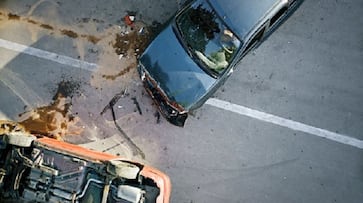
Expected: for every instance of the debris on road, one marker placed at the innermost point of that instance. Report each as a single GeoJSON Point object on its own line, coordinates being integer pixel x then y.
{"type": "Point", "coordinates": [129, 20]}
{"type": "Point", "coordinates": [132, 42]}
{"type": "Point", "coordinates": [157, 115]}
{"type": "Point", "coordinates": [137, 105]}
{"type": "Point", "coordinates": [112, 102]}
{"type": "Point", "coordinates": [134, 148]}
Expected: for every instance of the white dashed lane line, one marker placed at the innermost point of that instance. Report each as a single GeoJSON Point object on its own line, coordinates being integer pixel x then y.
{"type": "Point", "coordinates": [262, 116]}
{"type": "Point", "coordinates": [65, 60]}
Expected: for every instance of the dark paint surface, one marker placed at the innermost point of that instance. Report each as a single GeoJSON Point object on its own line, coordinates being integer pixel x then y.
{"type": "Point", "coordinates": [242, 15]}
{"type": "Point", "coordinates": [175, 71]}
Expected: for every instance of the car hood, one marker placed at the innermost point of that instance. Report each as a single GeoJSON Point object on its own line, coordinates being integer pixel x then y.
{"type": "Point", "coordinates": [176, 73]}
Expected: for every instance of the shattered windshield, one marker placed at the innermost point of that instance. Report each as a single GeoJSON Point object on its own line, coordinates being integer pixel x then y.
{"type": "Point", "coordinates": [207, 38]}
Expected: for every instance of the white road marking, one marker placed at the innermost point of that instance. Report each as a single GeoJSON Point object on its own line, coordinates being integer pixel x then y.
{"type": "Point", "coordinates": [20, 88]}
{"type": "Point", "coordinates": [285, 123]}
{"type": "Point", "coordinates": [65, 60]}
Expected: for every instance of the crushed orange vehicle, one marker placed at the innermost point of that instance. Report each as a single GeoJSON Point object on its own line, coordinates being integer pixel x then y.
{"type": "Point", "coordinates": [47, 170]}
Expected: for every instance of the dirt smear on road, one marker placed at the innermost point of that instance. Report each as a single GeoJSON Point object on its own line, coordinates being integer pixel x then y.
{"type": "Point", "coordinates": [55, 120]}
{"type": "Point", "coordinates": [119, 46]}
{"type": "Point", "coordinates": [121, 73]}
{"type": "Point", "coordinates": [115, 48]}
{"type": "Point", "coordinates": [65, 31]}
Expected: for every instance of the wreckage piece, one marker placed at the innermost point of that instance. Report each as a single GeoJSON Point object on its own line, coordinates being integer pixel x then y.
{"type": "Point", "coordinates": [50, 170]}
{"type": "Point", "coordinates": [134, 148]}
{"type": "Point", "coordinates": [137, 105]}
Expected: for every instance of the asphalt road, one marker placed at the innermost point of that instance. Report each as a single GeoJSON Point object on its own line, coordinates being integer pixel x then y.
{"type": "Point", "coordinates": [309, 71]}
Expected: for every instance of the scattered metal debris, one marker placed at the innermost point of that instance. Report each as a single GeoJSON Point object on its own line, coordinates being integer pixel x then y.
{"type": "Point", "coordinates": [137, 105]}
{"type": "Point", "coordinates": [112, 102]}
{"type": "Point", "coordinates": [112, 147]}
{"type": "Point", "coordinates": [135, 149]}
{"type": "Point", "coordinates": [157, 115]}
{"type": "Point", "coordinates": [129, 20]}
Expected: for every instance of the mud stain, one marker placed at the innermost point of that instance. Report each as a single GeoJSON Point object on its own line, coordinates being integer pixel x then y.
{"type": "Point", "coordinates": [123, 43]}
{"type": "Point", "coordinates": [129, 45]}
{"type": "Point", "coordinates": [135, 41]}
{"type": "Point", "coordinates": [121, 73]}
{"type": "Point", "coordinates": [45, 26]}
{"type": "Point", "coordinates": [128, 42]}
{"type": "Point", "coordinates": [91, 38]}
{"type": "Point", "coordinates": [13, 17]}
{"type": "Point", "coordinates": [56, 119]}
{"type": "Point", "coordinates": [63, 31]}
{"type": "Point", "coordinates": [8, 127]}
{"type": "Point", "coordinates": [69, 33]}
{"type": "Point", "coordinates": [67, 88]}
{"type": "Point", "coordinates": [87, 20]}
{"type": "Point", "coordinates": [32, 22]}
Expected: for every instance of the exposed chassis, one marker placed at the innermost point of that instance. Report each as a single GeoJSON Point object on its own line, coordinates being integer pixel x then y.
{"type": "Point", "coordinates": [47, 170]}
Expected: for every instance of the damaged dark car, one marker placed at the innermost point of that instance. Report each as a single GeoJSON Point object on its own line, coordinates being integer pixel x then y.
{"type": "Point", "coordinates": [41, 169]}
{"type": "Point", "coordinates": [199, 48]}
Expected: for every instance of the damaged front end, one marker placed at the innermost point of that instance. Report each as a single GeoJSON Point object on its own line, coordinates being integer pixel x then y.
{"type": "Point", "coordinates": [172, 111]}
{"type": "Point", "coordinates": [48, 170]}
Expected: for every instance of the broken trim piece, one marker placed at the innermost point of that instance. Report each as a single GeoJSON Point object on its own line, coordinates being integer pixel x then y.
{"type": "Point", "coordinates": [135, 149]}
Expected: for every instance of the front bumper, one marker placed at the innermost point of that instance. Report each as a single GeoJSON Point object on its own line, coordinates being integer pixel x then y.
{"type": "Point", "coordinates": [166, 108]}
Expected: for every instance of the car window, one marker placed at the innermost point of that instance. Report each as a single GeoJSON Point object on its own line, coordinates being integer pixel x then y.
{"type": "Point", "coordinates": [207, 37]}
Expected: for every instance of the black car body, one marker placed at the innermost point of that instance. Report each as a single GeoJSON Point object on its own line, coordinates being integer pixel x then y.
{"type": "Point", "coordinates": [198, 49]}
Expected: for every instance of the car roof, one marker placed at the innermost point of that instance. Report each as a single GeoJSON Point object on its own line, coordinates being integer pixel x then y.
{"type": "Point", "coordinates": [242, 15]}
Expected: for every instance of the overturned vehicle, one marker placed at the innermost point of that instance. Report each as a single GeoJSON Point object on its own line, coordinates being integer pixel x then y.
{"type": "Point", "coordinates": [47, 170]}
